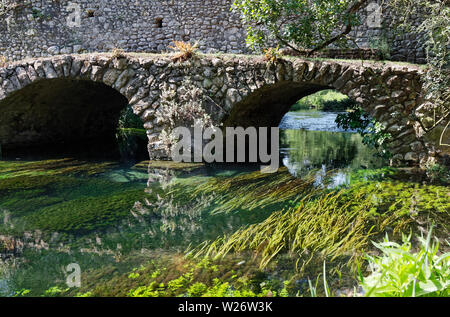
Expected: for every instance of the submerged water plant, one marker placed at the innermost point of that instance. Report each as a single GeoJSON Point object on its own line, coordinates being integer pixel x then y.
{"type": "Point", "coordinates": [254, 190]}
{"type": "Point", "coordinates": [336, 224]}
{"type": "Point", "coordinates": [322, 225]}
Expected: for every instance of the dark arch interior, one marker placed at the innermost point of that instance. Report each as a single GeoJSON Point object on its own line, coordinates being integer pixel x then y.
{"type": "Point", "coordinates": [266, 106]}
{"type": "Point", "coordinates": [60, 113]}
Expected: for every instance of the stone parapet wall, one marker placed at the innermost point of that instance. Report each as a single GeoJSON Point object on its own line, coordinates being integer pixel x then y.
{"type": "Point", "coordinates": [35, 28]}
{"type": "Point", "coordinates": [402, 46]}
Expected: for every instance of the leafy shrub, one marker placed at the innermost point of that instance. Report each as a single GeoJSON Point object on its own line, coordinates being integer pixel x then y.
{"type": "Point", "coordinates": [400, 273]}
{"type": "Point", "coordinates": [438, 173]}
{"type": "Point", "coordinates": [356, 119]}
{"type": "Point", "coordinates": [338, 105]}
{"type": "Point", "coordinates": [325, 100]}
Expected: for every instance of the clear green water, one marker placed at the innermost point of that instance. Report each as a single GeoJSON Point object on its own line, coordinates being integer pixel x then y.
{"type": "Point", "coordinates": [101, 214]}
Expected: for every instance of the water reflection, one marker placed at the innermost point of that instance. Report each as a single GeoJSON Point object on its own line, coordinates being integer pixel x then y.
{"type": "Point", "coordinates": [312, 120]}
{"type": "Point", "coordinates": [304, 151]}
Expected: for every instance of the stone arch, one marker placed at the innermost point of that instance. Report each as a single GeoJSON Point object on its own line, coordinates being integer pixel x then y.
{"type": "Point", "coordinates": [388, 94]}
{"type": "Point", "coordinates": [65, 99]}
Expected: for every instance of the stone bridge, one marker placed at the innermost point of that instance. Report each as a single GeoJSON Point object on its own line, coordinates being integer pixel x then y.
{"type": "Point", "coordinates": [69, 97]}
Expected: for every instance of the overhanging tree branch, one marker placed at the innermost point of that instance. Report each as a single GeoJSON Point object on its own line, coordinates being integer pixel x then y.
{"type": "Point", "coordinates": [348, 27]}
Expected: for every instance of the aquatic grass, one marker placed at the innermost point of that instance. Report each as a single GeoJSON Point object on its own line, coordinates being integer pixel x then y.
{"type": "Point", "coordinates": [254, 190]}
{"type": "Point", "coordinates": [335, 224]}
{"type": "Point", "coordinates": [316, 225]}
{"type": "Point", "coordinates": [310, 224]}
{"type": "Point", "coordinates": [10, 169]}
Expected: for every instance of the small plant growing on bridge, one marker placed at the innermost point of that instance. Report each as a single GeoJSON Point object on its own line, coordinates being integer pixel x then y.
{"type": "Point", "coordinates": [272, 55]}
{"type": "Point", "coordinates": [183, 51]}
{"type": "Point", "coordinates": [3, 61]}
{"type": "Point", "coordinates": [117, 53]}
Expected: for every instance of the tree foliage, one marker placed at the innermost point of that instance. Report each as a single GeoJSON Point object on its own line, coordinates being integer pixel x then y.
{"type": "Point", "coordinates": [299, 24]}
{"type": "Point", "coordinates": [373, 132]}
{"type": "Point", "coordinates": [436, 30]}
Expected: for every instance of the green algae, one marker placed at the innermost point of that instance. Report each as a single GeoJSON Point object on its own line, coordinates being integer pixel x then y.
{"type": "Point", "coordinates": [173, 165]}
{"type": "Point", "coordinates": [84, 214]}
{"type": "Point", "coordinates": [65, 196]}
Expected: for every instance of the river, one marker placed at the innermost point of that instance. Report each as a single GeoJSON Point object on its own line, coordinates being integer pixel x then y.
{"type": "Point", "coordinates": [108, 217]}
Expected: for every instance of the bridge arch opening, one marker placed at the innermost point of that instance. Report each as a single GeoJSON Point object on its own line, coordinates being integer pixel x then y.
{"type": "Point", "coordinates": [306, 114]}
{"type": "Point", "coordinates": [311, 138]}
{"type": "Point", "coordinates": [61, 115]}
{"type": "Point", "coordinates": [266, 106]}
